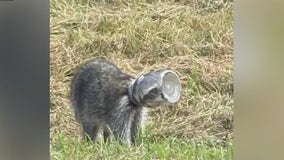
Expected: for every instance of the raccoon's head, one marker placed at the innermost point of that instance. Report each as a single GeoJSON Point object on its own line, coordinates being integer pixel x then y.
{"type": "Point", "coordinates": [155, 88]}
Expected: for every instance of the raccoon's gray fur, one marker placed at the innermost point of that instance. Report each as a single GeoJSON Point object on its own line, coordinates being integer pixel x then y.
{"type": "Point", "coordinates": [100, 99]}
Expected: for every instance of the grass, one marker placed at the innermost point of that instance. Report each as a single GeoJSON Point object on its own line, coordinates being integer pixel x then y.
{"type": "Point", "coordinates": [192, 37]}
{"type": "Point", "coordinates": [68, 147]}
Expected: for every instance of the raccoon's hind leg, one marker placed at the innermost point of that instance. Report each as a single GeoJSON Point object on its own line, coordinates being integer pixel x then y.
{"type": "Point", "coordinates": [90, 130]}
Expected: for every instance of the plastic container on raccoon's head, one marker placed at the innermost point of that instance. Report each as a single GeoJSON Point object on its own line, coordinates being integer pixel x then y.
{"type": "Point", "coordinates": [160, 87]}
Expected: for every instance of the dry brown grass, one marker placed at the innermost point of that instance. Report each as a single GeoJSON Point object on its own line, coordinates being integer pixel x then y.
{"type": "Point", "coordinates": [193, 38]}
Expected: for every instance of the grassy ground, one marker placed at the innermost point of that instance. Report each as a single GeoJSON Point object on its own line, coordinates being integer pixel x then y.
{"type": "Point", "coordinates": [191, 37]}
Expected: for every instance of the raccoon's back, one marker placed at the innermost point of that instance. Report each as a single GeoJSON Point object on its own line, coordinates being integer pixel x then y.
{"type": "Point", "coordinates": [98, 84]}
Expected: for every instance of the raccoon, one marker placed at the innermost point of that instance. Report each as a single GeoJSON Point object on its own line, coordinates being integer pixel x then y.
{"type": "Point", "coordinates": [104, 97]}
